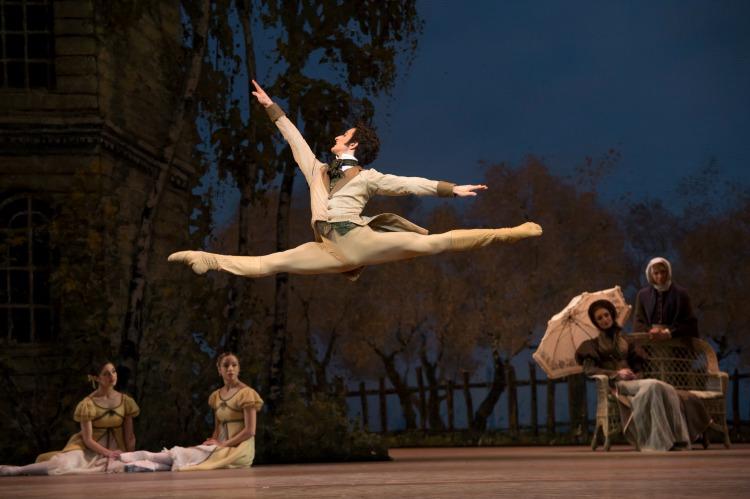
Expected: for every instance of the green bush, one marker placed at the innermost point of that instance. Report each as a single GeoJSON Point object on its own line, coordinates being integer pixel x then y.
{"type": "Point", "coordinates": [317, 431]}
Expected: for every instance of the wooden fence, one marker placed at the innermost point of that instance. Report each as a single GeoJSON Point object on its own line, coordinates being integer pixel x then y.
{"type": "Point", "coordinates": [577, 398]}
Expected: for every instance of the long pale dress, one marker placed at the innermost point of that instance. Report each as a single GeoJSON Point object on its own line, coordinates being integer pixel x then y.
{"type": "Point", "coordinates": [107, 430]}
{"type": "Point", "coordinates": [229, 415]}
{"type": "Point", "coordinates": [653, 413]}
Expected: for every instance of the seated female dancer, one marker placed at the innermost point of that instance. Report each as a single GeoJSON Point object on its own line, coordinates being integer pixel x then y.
{"type": "Point", "coordinates": [232, 444]}
{"type": "Point", "coordinates": [106, 418]}
{"type": "Point", "coordinates": [659, 418]}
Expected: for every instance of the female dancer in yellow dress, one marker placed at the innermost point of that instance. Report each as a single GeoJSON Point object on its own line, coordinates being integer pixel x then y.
{"type": "Point", "coordinates": [106, 418]}
{"type": "Point", "coordinates": [232, 444]}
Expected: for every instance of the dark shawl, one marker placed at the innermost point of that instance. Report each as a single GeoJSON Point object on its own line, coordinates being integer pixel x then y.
{"type": "Point", "coordinates": [607, 354]}
{"type": "Point", "coordinates": [677, 313]}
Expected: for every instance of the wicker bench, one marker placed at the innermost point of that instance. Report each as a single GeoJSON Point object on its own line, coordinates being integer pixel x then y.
{"type": "Point", "coordinates": [687, 364]}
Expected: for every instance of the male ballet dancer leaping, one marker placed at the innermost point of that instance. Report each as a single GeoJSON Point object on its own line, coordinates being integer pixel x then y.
{"type": "Point", "coordinates": [346, 241]}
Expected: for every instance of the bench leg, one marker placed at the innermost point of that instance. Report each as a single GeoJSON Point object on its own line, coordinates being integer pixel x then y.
{"type": "Point", "coordinates": [595, 438]}
{"type": "Point", "coordinates": [724, 430]}
{"type": "Point", "coordinates": [607, 442]}
{"type": "Point", "coordinates": [727, 442]}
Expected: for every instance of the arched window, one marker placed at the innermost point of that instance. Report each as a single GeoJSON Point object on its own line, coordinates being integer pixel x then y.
{"type": "Point", "coordinates": [26, 51]}
{"type": "Point", "coordinates": [26, 313]}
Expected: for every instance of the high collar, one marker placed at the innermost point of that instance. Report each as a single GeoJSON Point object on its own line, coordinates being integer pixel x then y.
{"type": "Point", "coordinates": [346, 156]}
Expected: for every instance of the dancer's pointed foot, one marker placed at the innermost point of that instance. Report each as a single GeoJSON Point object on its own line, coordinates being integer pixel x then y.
{"type": "Point", "coordinates": [200, 261]}
{"type": "Point", "coordinates": [469, 239]}
{"type": "Point", "coordinates": [513, 234]}
{"type": "Point", "coordinates": [529, 229]}
{"type": "Point", "coordinates": [8, 470]}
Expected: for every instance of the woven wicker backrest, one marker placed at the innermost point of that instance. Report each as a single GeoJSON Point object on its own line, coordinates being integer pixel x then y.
{"type": "Point", "coordinates": [683, 364]}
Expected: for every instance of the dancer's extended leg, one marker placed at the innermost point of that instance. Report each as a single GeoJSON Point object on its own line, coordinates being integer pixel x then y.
{"type": "Point", "coordinates": [29, 469]}
{"type": "Point", "coordinates": [162, 457]}
{"type": "Point", "coordinates": [361, 246]}
{"type": "Point", "coordinates": [368, 247]}
{"type": "Point", "coordinates": [308, 258]}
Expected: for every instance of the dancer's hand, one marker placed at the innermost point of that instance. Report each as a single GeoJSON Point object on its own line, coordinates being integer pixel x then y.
{"type": "Point", "coordinates": [467, 190]}
{"type": "Point", "coordinates": [261, 95]}
{"type": "Point", "coordinates": [113, 454]}
{"type": "Point", "coordinates": [212, 441]}
{"type": "Point", "coordinates": [625, 374]}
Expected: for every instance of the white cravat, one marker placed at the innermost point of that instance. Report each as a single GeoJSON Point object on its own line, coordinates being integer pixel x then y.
{"type": "Point", "coordinates": [346, 156]}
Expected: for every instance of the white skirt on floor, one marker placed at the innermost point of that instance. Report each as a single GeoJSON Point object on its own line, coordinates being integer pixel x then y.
{"type": "Point", "coordinates": [657, 422]}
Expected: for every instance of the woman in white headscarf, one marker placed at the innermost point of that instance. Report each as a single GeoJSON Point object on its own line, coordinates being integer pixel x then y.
{"type": "Point", "coordinates": [663, 308]}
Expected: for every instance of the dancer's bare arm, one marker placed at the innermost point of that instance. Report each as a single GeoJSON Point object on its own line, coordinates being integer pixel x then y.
{"type": "Point", "coordinates": [303, 155]}
{"type": "Point", "coordinates": [129, 434]}
{"type": "Point", "coordinates": [213, 439]}
{"type": "Point", "coordinates": [249, 414]}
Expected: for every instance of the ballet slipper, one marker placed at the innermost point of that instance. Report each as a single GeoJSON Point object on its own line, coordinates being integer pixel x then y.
{"type": "Point", "coordinates": [200, 261]}
{"type": "Point", "coordinates": [468, 239]}
{"type": "Point", "coordinates": [6, 470]}
{"type": "Point", "coordinates": [528, 229]}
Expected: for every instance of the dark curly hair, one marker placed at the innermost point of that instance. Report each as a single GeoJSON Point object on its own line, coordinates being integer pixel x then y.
{"type": "Point", "coordinates": [368, 143]}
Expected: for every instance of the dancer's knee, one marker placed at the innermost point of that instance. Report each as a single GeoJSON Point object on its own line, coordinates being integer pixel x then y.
{"type": "Point", "coordinates": [431, 245]}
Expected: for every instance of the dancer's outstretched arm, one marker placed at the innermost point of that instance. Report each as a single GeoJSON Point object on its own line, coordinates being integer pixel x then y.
{"type": "Point", "coordinates": [303, 155]}
{"type": "Point", "coordinates": [394, 185]}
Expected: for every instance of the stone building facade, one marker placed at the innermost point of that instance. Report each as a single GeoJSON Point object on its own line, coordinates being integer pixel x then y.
{"type": "Point", "coordinates": [88, 91]}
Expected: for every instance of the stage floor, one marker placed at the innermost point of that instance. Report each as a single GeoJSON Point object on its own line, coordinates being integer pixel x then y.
{"type": "Point", "coordinates": [518, 472]}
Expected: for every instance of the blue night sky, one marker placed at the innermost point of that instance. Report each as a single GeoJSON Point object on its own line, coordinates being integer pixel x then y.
{"type": "Point", "coordinates": [665, 83]}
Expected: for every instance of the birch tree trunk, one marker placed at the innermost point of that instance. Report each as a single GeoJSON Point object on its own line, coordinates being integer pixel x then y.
{"type": "Point", "coordinates": [132, 330]}
{"type": "Point", "coordinates": [239, 287]}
